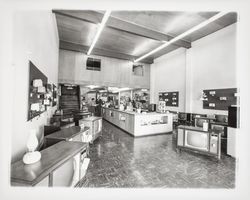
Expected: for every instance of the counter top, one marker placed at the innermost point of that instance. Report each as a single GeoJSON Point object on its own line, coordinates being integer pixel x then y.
{"type": "Point", "coordinates": [67, 133]}
{"type": "Point", "coordinates": [135, 113]}
{"type": "Point", "coordinates": [92, 118]}
{"type": "Point", "coordinates": [82, 113]}
{"type": "Point", "coordinates": [194, 128]}
{"type": "Point", "coordinates": [219, 123]}
{"type": "Point", "coordinates": [204, 117]}
{"type": "Point", "coordinates": [51, 159]}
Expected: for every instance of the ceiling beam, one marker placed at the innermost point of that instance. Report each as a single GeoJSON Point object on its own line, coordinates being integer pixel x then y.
{"type": "Point", "coordinates": [100, 52]}
{"type": "Point", "coordinates": [125, 26]}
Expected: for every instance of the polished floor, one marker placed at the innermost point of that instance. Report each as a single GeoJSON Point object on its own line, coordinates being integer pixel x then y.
{"type": "Point", "coordinates": [120, 160]}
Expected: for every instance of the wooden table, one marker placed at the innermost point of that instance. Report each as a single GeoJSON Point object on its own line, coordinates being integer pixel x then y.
{"type": "Point", "coordinates": [73, 133]}
{"type": "Point", "coordinates": [79, 115]}
{"type": "Point", "coordinates": [51, 158]}
{"type": "Point", "coordinates": [67, 133]}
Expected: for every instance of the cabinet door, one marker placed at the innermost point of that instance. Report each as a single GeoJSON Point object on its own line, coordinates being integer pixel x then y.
{"type": "Point", "coordinates": [44, 182]}
{"type": "Point", "coordinates": [64, 175]}
{"type": "Point", "coordinates": [231, 141]}
{"type": "Point", "coordinates": [129, 124]}
{"type": "Point", "coordinates": [77, 138]}
{"type": "Point", "coordinates": [122, 120]}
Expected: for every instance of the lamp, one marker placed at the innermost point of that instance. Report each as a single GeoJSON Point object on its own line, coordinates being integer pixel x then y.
{"type": "Point", "coordinates": [32, 156]}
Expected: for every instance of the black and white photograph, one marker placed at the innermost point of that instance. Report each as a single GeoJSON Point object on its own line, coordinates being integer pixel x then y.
{"type": "Point", "coordinates": [116, 100]}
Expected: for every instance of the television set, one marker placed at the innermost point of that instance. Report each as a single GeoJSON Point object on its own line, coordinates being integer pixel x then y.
{"type": "Point", "coordinates": [197, 140]}
{"type": "Point", "coordinates": [208, 142]}
{"type": "Point", "coordinates": [199, 122]}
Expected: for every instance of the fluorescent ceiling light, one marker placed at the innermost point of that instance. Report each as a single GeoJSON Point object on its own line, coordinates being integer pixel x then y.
{"type": "Point", "coordinates": [124, 89]}
{"type": "Point", "coordinates": [92, 86]}
{"type": "Point", "coordinates": [116, 89]}
{"type": "Point", "coordinates": [195, 28]}
{"type": "Point", "coordinates": [113, 89]}
{"type": "Point", "coordinates": [101, 26]}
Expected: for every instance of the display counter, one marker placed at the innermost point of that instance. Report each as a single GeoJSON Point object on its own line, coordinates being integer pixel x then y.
{"type": "Point", "coordinates": [139, 124]}
{"type": "Point", "coordinates": [60, 165]}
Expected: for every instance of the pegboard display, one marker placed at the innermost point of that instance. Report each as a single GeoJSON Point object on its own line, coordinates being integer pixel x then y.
{"type": "Point", "coordinates": [220, 99]}
{"type": "Point", "coordinates": [170, 98]}
{"type": "Point", "coordinates": [36, 98]}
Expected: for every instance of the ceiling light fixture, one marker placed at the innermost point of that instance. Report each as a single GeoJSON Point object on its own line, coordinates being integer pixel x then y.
{"type": "Point", "coordinates": [92, 86]}
{"type": "Point", "coordinates": [195, 28]}
{"type": "Point", "coordinates": [101, 26]}
{"type": "Point", "coordinates": [124, 89]}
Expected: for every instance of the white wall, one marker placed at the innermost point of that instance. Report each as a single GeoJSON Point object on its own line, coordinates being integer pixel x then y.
{"type": "Point", "coordinates": [168, 74]}
{"type": "Point", "coordinates": [213, 65]}
{"type": "Point", "coordinates": [35, 38]}
{"type": "Point", "coordinates": [114, 72]}
{"type": "Point", "coordinates": [209, 64]}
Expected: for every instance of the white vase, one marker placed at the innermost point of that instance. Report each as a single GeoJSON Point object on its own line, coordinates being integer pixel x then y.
{"type": "Point", "coordinates": [32, 156]}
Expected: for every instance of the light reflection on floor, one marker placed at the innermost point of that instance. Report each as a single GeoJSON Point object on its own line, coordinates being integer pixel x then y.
{"type": "Point", "coordinates": [120, 160]}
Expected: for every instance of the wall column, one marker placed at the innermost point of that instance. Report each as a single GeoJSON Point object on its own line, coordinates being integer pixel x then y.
{"type": "Point", "coordinates": [188, 81]}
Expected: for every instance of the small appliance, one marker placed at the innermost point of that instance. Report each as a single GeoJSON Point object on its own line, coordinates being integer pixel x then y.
{"type": "Point", "coordinates": [152, 107]}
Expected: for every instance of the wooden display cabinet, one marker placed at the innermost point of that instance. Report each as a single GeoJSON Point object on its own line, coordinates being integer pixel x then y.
{"type": "Point", "coordinates": [94, 124]}
{"type": "Point", "coordinates": [60, 165]}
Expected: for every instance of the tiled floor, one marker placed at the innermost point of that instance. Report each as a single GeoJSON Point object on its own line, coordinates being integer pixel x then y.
{"type": "Point", "coordinates": [120, 160]}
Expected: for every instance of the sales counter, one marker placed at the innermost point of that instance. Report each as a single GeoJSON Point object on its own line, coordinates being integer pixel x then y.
{"type": "Point", "coordinates": [139, 124]}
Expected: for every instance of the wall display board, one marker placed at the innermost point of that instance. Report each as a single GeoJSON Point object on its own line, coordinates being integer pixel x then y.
{"type": "Point", "coordinates": [170, 98]}
{"type": "Point", "coordinates": [37, 90]}
{"type": "Point", "coordinates": [220, 99]}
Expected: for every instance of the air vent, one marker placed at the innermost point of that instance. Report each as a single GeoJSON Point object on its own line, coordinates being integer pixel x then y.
{"type": "Point", "coordinates": [138, 70]}
{"type": "Point", "coordinates": [93, 64]}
